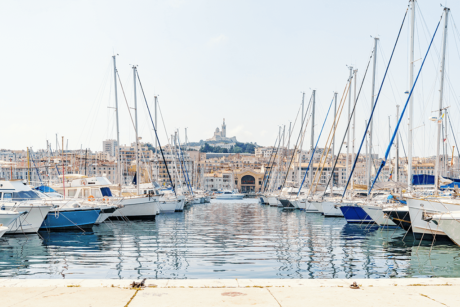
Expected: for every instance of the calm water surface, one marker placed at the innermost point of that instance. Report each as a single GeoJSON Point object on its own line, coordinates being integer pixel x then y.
{"type": "Point", "coordinates": [227, 239]}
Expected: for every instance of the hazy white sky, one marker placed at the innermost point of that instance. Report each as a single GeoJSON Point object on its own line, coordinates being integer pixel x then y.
{"type": "Point", "coordinates": [247, 61]}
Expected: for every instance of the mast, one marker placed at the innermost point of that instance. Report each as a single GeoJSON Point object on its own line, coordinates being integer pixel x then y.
{"type": "Point", "coordinates": [369, 157]}
{"type": "Point", "coordinates": [353, 128]}
{"type": "Point", "coordinates": [312, 134]}
{"type": "Point", "coordinates": [397, 148]}
{"type": "Point", "coordinates": [347, 168]}
{"type": "Point", "coordinates": [333, 141]}
{"type": "Point", "coordinates": [411, 99]}
{"type": "Point", "coordinates": [28, 166]}
{"type": "Point", "coordinates": [136, 126]}
{"type": "Point", "coordinates": [157, 159]}
{"type": "Point", "coordinates": [117, 148]}
{"type": "Point", "coordinates": [63, 170]}
{"type": "Point", "coordinates": [389, 140]}
{"type": "Point", "coordinates": [299, 172]}
{"type": "Point", "coordinates": [441, 92]}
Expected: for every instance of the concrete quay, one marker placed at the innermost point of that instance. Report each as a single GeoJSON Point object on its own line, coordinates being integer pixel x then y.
{"type": "Point", "coordinates": [230, 292]}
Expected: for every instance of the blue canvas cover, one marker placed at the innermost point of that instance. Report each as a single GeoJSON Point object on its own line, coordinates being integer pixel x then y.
{"type": "Point", "coordinates": [45, 189]}
{"type": "Point", "coordinates": [423, 179]}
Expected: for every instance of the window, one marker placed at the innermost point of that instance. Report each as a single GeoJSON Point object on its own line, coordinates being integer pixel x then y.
{"type": "Point", "coordinates": [71, 192]}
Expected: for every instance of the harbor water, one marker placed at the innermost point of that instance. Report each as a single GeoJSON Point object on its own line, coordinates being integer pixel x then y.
{"type": "Point", "coordinates": [227, 239]}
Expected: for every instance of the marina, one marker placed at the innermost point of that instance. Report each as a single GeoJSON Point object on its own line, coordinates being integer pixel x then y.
{"type": "Point", "coordinates": [227, 239]}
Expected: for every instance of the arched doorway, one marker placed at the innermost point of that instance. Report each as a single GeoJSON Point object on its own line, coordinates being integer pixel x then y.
{"type": "Point", "coordinates": [248, 184]}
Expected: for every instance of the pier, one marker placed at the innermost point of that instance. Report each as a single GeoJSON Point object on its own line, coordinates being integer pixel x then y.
{"type": "Point", "coordinates": [231, 292]}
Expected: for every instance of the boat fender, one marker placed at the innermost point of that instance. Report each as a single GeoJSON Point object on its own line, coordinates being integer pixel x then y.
{"type": "Point", "coordinates": [83, 182]}
{"type": "Point", "coordinates": [91, 198]}
{"type": "Point", "coordinates": [106, 199]}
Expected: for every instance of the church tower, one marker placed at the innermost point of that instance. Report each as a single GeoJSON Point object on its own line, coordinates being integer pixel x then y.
{"type": "Point", "coordinates": [224, 129]}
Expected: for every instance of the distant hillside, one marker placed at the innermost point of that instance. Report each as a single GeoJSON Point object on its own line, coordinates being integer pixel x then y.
{"type": "Point", "coordinates": [238, 148]}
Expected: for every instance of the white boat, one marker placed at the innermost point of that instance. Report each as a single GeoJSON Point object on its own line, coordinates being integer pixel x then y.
{"type": "Point", "coordinates": [375, 212]}
{"type": "Point", "coordinates": [331, 208]}
{"type": "Point", "coordinates": [98, 189]}
{"type": "Point", "coordinates": [17, 196]}
{"type": "Point", "coordinates": [229, 195]}
{"type": "Point", "coordinates": [420, 211]}
{"type": "Point", "coordinates": [7, 216]}
{"type": "Point", "coordinates": [318, 205]}
{"type": "Point", "coordinates": [3, 230]}
{"type": "Point", "coordinates": [449, 223]}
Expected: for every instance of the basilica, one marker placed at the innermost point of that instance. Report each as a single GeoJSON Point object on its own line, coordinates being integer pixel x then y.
{"type": "Point", "coordinates": [221, 135]}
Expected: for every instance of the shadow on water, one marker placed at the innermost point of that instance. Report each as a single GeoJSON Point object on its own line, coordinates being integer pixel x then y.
{"type": "Point", "coordinates": [227, 240]}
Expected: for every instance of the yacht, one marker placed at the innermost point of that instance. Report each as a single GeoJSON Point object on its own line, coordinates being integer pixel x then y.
{"type": "Point", "coordinates": [229, 195]}
{"type": "Point", "coordinates": [19, 197]}
{"type": "Point", "coordinates": [98, 189]}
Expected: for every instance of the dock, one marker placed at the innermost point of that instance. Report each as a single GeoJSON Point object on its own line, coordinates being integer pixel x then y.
{"type": "Point", "coordinates": [230, 292]}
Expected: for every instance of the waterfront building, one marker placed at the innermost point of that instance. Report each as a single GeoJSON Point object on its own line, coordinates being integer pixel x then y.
{"type": "Point", "coordinates": [110, 147]}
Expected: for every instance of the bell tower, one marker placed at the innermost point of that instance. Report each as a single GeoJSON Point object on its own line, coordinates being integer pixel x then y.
{"type": "Point", "coordinates": [224, 129]}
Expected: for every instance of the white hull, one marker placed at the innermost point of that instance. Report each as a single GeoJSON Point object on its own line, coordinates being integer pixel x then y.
{"type": "Point", "coordinates": [331, 209]}
{"type": "Point", "coordinates": [418, 209]}
{"type": "Point", "coordinates": [3, 230]}
{"type": "Point", "coordinates": [310, 206]}
{"type": "Point", "coordinates": [273, 201]}
{"type": "Point", "coordinates": [265, 200]}
{"type": "Point", "coordinates": [451, 227]}
{"type": "Point", "coordinates": [102, 217]}
{"type": "Point", "coordinates": [7, 217]}
{"type": "Point", "coordinates": [137, 207]}
{"type": "Point", "coordinates": [230, 196]}
{"type": "Point", "coordinates": [180, 205]}
{"type": "Point", "coordinates": [167, 206]}
{"type": "Point", "coordinates": [317, 205]}
{"type": "Point", "coordinates": [295, 203]}
{"type": "Point", "coordinates": [377, 215]}
{"type": "Point", "coordinates": [31, 221]}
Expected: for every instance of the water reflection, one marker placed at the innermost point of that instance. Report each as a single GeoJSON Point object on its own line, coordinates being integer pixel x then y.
{"type": "Point", "coordinates": [227, 240]}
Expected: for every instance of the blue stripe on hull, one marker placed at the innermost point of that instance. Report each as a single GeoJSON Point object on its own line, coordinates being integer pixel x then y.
{"type": "Point", "coordinates": [73, 219]}
{"type": "Point", "coordinates": [354, 214]}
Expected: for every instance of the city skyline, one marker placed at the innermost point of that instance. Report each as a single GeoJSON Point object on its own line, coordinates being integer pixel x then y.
{"type": "Point", "coordinates": [246, 62]}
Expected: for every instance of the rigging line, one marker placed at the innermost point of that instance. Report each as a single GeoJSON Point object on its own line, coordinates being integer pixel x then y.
{"type": "Point", "coordinates": [127, 105]}
{"type": "Point", "coordinates": [349, 122]}
{"type": "Point", "coordinates": [156, 134]}
{"type": "Point", "coordinates": [170, 144]}
{"type": "Point", "coordinates": [375, 104]}
{"type": "Point", "coordinates": [279, 143]}
{"type": "Point", "coordinates": [300, 134]}
{"type": "Point", "coordinates": [297, 142]}
{"type": "Point", "coordinates": [329, 138]}
{"type": "Point", "coordinates": [453, 134]}
{"type": "Point", "coordinates": [183, 161]}
{"type": "Point", "coordinates": [404, 110]}
{"type": "Point", "coordinates": [269, 161]}
{"type": "Point", "coordinates": [271, 167]}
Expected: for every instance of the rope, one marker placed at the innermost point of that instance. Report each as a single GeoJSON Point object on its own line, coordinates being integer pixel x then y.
{"type": "Point", "coordinates": [297, 142]}
{"type": "Point", "coordinates": [154, 128]}
{"type": "Point", "coordinates": [373, 109]}
{"type": "Point", "coordinates": [405, 106]}
{"type": "Point", "coordinates": [349, 122]}
{"type": "Point", "coordinates": [329, 138]}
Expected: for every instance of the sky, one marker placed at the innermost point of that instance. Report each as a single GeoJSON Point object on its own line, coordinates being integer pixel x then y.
{"type": "Point", "coordinates": [245, 61]}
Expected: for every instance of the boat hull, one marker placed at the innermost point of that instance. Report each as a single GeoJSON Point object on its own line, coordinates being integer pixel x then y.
{"type": "Point", "coordinates": [70, 220]}
{"type": "Point", "coordinates": [137, 208]}
{"type": "Point", "coordinates": [451, 227]}
{"type": "Point", "coordinates": [105, 214]}
{"type": "Point", "coordinates": [401, 218]}
{"type": "Point", "coordinates": [427, 229]}
{"type": "Point", "coordinates": [316, 204]}
{"type": "Point", "coordinates": [273, 201]}
{"type": "Point", "coordinates": [377, 215]}
{"type": "Point", "coordinates": [331, 209]}
{"type": "Point", "coordinates": [3, 230]}
{"type": "Point", "coordinates": [29, 222]}
{"type": "Point", "coordinates": [355, 215]}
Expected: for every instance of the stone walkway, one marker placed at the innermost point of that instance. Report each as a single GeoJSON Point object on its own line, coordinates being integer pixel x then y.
{"type": "Point", "coordinates": [222, 292]}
